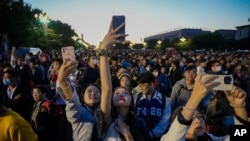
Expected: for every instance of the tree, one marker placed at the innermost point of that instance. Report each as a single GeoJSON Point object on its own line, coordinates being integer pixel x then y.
{"type": "Point", "coordinates": [164, 44]}
{"type": "Point", "coordinates": [138, 46]}
{"type": "Point", "coordinates": [151, 43]}
{"type": "Point", "coordinates": [208, 41]}
{"type": "Point", "coordinates": [174, 42]}
{"type": "Point", "coordinates": [18, 21]}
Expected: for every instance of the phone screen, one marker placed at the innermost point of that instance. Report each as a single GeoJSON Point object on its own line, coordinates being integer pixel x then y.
{"type": "Point", "coordinates": [118, 20]}
{"type": "Point", "coordinates": [68, 53]}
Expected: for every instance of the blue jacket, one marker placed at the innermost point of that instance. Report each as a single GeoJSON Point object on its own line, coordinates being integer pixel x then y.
{"type": "Point", "coordinates": [161, 127]}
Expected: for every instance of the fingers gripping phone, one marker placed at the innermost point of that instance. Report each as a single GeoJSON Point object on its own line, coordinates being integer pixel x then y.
{"type": "Point", "coordinates": [68, 53]}
{"type": "Point", "coordinates": [116, 21]}
{"type": "Point", "coordinates": [226, 82]}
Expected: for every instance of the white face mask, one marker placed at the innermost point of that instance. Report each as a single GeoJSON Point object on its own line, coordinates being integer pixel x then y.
{"type": "Point", "coordinates": [155, 74]}
{"type": "Point", "coordinates": [148, 68]}
{"type": "Point", "coordinates": [95, 61]}
{"type": "Point", "coordinates": [218, 68]}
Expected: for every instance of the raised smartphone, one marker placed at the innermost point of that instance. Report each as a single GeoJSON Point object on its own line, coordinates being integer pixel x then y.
{"type": "Point", "coordinates": [116, 21]}
{"type": "Point", "coordinates": [68, 53]}
{"type": "Point", "coordinates": [226, 82]}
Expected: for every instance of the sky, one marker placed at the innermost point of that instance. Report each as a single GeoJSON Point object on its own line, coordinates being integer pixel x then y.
{"type": "Point", "coordinates": [145, 17]}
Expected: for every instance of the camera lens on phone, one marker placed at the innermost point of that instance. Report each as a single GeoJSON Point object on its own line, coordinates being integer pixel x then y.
{"type": "Point", "coordinates": [227, 80]}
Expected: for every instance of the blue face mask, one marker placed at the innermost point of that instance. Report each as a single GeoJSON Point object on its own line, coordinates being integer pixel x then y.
{"type": "Point", "coordinates": [6, 82]}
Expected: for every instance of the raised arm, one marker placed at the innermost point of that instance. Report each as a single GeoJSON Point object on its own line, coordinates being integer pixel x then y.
{"type": "Point", "coordinates": [201, 88]}
{"type": "Point", "coordinates": [177, 131]}
{"type": "Point", "coordinates": [12, 56]}
{"type": "Point", "coordinates": [105, 75]}
{"type": "Point", "coordinates": [236, 98]}
{"type": "Point", "coordinates": [66, 68]}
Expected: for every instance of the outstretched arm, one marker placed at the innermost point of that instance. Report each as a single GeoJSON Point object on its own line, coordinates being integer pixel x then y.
{"type": "Point", "coordinates": [177, 129]}
{"type": "Point", "coordinates": [236, 98]}
{"type": "Point", "coordinates": [201, 88]}
{"type": "Point", "coordinates": [105, 75]}
{"type": "Point", "coordinates": [66, 68]}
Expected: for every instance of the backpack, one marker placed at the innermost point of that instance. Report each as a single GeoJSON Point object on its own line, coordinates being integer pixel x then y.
{"type": "Point", "coordinates": [54, 108]}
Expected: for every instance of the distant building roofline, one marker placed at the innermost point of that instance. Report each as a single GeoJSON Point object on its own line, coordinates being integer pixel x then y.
{"type": "Point", "coordinates": [225, 30]}
{"type": "Point", "coordinates": [248, 25]}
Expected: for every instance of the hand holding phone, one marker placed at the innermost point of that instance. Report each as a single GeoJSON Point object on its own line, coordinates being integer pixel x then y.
{"type": "Point", "coordinates": [117, 21]}
{"type": "Point", "coordinates": [68, 53]}
{"type": "Point", "coordinates": [226, 82]}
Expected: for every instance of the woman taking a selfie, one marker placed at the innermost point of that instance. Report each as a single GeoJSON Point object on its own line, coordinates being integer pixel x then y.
{"type": "Point", "coordinates": [117, 106]}
{"type": "Point", "coordinates": [79, 114]}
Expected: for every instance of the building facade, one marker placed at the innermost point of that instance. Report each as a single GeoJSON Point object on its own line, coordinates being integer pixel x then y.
{"type": "Point", "coordinates": [185, 33]}
{"type": "Point", "coordinates": [226, 33]}
{"type": "Point", "coordinates": [242, 32]}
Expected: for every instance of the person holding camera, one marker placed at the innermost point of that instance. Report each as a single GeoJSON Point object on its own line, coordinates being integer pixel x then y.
{"type": "Point", "coordinates": [189, 124]}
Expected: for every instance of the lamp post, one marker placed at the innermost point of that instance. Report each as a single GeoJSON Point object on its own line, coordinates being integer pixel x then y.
{"type": "Point", "coordinates": [44, 18]}
{"type": "Point", "coordinates": [159, 42]}
{"type": "Point", "coordinates": [182, 39]}
{"type": "Point", "coordinates": [183, 42]}
{"type": "Point", "coordinates": [75, 37]}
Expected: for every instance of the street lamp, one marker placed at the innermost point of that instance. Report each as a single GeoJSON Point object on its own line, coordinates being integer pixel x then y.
{"type": "Point", "coordinates": [182, 39]}
{"type": "Point", "coordinates": [75, 37]}
{"type": "Point", "coordinates": [44, 18]}
{"type": "Point", "coordinates": [159, 42]}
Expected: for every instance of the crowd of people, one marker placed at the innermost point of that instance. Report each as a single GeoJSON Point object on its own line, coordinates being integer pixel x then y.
{"type": "Point", "coordinates": [126, 95]}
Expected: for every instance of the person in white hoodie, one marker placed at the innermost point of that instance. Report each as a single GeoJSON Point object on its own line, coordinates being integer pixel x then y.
{"type": "Point", "coordinates": [189, 124]}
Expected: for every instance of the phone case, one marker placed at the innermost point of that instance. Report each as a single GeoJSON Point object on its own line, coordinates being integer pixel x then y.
{"type": "Point", "coordinates": [68, 53]}
{"type": "Point", "coordinates": [226, 82]}
{"type": "Point", "coordinates": [118, 20]}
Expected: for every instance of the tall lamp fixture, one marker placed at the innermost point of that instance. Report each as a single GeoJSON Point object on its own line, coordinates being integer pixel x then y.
{"type": "Point", "coordinates": [44, 19]}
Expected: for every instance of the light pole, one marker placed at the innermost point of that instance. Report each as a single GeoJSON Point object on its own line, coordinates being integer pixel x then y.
{"type": "Point", "coordinates": [183, 42]}
{"type": "Point", "coordinates": [44, 18]}
{"type": "Point", "coordinates": [182, 39]}
{"type": "Point", "coordinates": [145, 44]}
{"type": "Point", "coordinates": [159, 42]}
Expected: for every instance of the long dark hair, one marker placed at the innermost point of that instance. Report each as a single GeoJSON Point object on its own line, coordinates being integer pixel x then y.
{"type": "Point", "coordinates": [83, 89]}
{"type": "Point", "coordinates": [138, 134]}
{"type": "Point", "coordinates": [130, 118]}
{"type": "Point", "coordinates": [131, 107]}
